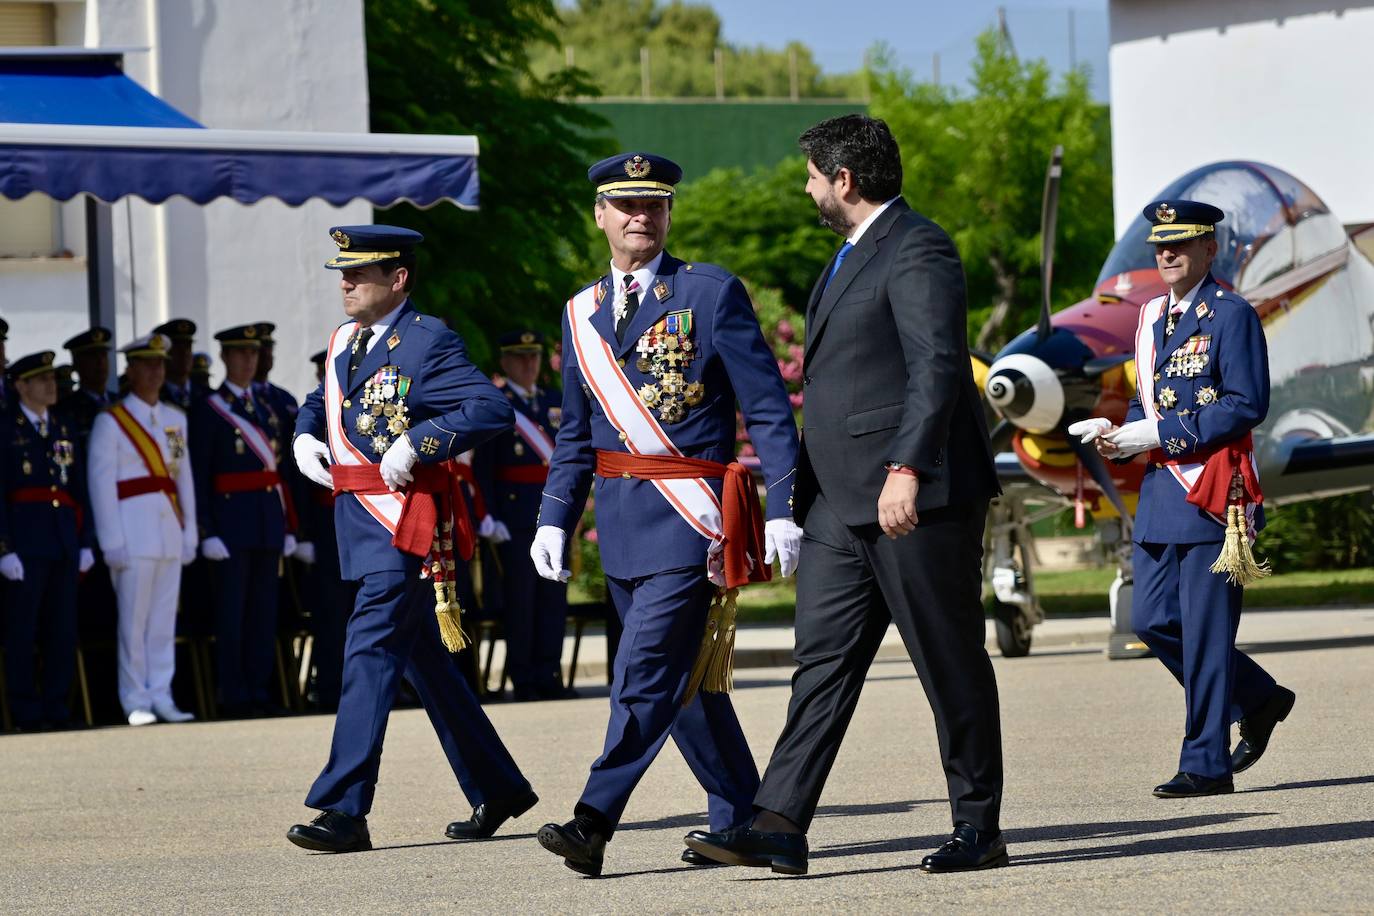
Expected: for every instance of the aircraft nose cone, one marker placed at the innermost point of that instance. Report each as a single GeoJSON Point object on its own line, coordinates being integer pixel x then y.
{"type": "Point", "coordinates": [1026, 391]}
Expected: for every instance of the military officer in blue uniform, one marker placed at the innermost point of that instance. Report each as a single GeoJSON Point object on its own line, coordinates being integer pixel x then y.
{"type": "Point", "coordinates": [512, 469]}
{"type": "Point", "coordinates": [45, 543]}
{"type": "Point", "coordinates": [687, 344]}
{"type": "Point", "coordinates": [91, 362]}
{"type": "Point", "coordinates": [1203, 385]}
{"type": "Point", "coordinates": [200, 371]}
{"type": "Point", "coordinates": [246, 524]}
{"type": "Point", "coordinates": [181, 388]}
{"type": "Point", "coordinates": [400, 397]}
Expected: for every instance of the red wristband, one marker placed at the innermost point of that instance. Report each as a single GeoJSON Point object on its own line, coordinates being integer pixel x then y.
{"type": "Point", "coordinates": [903, 469]}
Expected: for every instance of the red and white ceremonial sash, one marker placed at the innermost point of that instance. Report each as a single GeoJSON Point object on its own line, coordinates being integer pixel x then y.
{"type": "Point", "coordinates": [691, 497]}
{"type": "Point", "coordinates": [257, 443]}
{"type": "Point", "coordinates": [1185, 472]}
{"type": "Point", "coordinates": [534, 436]}
{"type": "Point", "coordinates": [384, 507]}
{"type": "Point", "coordinates": [151, 454]}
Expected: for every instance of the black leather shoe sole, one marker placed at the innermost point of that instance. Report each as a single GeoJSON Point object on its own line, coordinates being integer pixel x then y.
{"type": "Point", "coordinates": [780, 863]}
{"type": "Point", "coordinates": [455, 831]}
{"type": "Point", "coordinates": [998, 861]}
{"type": "Point", "coordinates": [1225, 788]}
{"type": "Point", "coordinates": [314, 844]}
{"type": "Point", "coordinates": [573, 857]}
{"type": "Point", "coordinates": [692, 857]}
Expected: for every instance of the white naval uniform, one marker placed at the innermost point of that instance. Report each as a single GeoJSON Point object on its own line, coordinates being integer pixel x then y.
{"type": "Point", "coordinates": [147, 528]}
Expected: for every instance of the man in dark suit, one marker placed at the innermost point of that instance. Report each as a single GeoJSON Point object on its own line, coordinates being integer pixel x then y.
{"type": "Point", "coordinates": [892, 491]}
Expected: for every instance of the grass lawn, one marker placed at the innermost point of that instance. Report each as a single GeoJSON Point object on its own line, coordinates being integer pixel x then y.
{"type": "Point", "coordinates": [1085, 592]}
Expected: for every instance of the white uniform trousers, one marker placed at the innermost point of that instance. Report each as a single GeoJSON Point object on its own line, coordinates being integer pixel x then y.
{"type": "Point", "coordinates": [147, 591]}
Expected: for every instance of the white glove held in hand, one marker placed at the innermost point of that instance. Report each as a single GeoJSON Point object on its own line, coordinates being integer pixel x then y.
{"type": "Point", "coordinates": [782, 541]}
{"type": "Point", "coordinates": [547, 553]}
{"type": "Point", "coordinates": [397, 462]}
{"type": "Point", "coordinates": [1088, 430]}
{"type": "Point", "coordinates": [117, 559]}
{"type": "Point", "coordinates": [1135, 437]}
{"type": "Point", "coordinates": [11, 567]}
{"type": "Point", "coordinates": [312, 457]}
{"type": "Point", "coordinates": [288, 546]}
{"type": "Point", "coordinates": [305, 552]}
{"type": "Point", "coordinates": [85, 560]}
{"type": "Point", "coordinates": [214, 549]}
{"type": "Point", "coordinates": [494, 531]}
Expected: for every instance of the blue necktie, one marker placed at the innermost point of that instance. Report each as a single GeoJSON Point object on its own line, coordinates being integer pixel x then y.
{"type": "Point", "coordinates": [839, 259]}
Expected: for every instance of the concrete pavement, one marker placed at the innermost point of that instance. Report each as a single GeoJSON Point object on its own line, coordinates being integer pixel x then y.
{"type": "Point", "coordinates": [191, 818]}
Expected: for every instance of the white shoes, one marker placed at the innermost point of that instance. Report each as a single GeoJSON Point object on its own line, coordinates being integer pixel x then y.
{"type": "Point", "coordinates": [168, 712]}
{"type": "Point", "coordinates": [142, 717]}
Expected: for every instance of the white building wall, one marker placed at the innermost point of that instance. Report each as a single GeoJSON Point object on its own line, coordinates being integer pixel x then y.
{"type": "Point", "coordinates": [250, 64]}
{"type": "Point", "coordinates": [1279, 81]}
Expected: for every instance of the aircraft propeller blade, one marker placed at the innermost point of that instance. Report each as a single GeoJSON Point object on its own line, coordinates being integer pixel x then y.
{"type": "Point", "coordinates": [1000, 437]}
{"type": "Point", "coordinates": [1049, 212]}
{"type": "Point", "coordinates": [1095, 367]}
{"type": "Point", "coordinates": [1097, 469]}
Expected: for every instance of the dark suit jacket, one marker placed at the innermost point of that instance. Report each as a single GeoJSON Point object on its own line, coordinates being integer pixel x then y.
{"type": "Point", "coordinates": [888, 376]}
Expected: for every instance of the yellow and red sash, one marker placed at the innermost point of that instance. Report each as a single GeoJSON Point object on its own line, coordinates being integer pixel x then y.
{"type": "Point", "coordinates": [158, 478]}
{"type": "Point", "coordinates": [534, 436]}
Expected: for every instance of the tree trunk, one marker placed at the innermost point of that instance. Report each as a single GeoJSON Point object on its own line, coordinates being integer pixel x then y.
{"type": "Point", "coordinates": [990, 336]}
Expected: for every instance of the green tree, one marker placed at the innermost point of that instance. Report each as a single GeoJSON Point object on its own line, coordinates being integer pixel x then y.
{"type": "Point", "coordinates": [463, 67]}
{"type": "Point", "coordinates": [976, 165]}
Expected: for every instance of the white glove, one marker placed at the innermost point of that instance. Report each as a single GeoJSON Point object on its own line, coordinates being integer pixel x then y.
{"type": "Point", "coordinates": [288, 545]}
{"type": "Point", "coordinates": [305, 552]}
{"type": "Point", "coordinates": [547, 553]}
{"type": "Point", "coordinates": [312, 457]}
{"type": "Point", "coordinates": [85, 560]}
{"type": "Point", "coordinates": [782, 542]}
{"type": "Point", "coordinates": [214, 549]}
{"type": "Point", "coordinates": [1135, 437]}
{"type": "Point", "coordinates": [117, 559]}
{"type": "Point", "coordinates": [492, 530]}
{"type": "Point", "coordinates": [11, 567]}
{"type": "Point", "coordinates": [188, 553]}
{"type": "Point", "coordinates": [397, 462]}
{"type": "Point", "coordinates": [1088, 430]}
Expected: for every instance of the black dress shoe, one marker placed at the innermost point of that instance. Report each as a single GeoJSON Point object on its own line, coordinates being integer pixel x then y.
{"type": "Point", "coordinates": [692, 857]}
{"type": "Point", "coordinates": [968, 850]}
{"type": "Point", "coordinates": [1191, 785]}
{"type": "Point", "coordinates": [332, 831]}
{"type": "Point", "coordinates": [785, 853]}
{"type": "Point", "coordinates": [555, 691]}
{"type": "Point", "coordinates": [581, 842]}
{"type": "Point", "coordinates": [1256, 728]}
{"type": "Point", "coordinates": [488, 817]}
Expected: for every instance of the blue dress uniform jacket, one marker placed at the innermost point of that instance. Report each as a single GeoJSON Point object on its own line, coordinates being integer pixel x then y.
{"type": "Point", "coordinates": [1185, 613]}
{"type": "Point", "coordinates": [40, 610]}
{"type": "Point", "coordinates": [392, 632]}
{"type": "Point", "coordinates": [517, 504]}
{"type": "Point", "coordinates": [733, 364]}
{"type": "Point", "coordinates": [1218, 402]}
{"type": "Point", "coordinates": [246, 520]}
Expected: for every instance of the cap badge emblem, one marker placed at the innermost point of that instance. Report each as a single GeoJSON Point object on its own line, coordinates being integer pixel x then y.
{"type": "Point", "coordinates": [341, 238]}
{"type": "Point", "coordinates": [637, 167]}
{"type": "Point", "coordinates": [1165, 213]}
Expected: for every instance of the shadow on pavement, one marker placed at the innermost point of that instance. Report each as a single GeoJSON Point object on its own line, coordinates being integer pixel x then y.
{"type": "Point", "coordinates": [1313, 784]}
{"type": "Point", "coordinates": [1209, 842]}
{"type": "Point", "coordinates": [1305, 645]}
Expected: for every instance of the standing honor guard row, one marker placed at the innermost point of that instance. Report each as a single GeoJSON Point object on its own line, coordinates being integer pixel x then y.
{"type": "Point", "coordinates": [657, 355]}
{"type": "Point", "coordinates": [144, 503]}
{"type": "Point", "coordinates": [1202, 385]}
{"type": "Point", "coordinates": [399, 401]}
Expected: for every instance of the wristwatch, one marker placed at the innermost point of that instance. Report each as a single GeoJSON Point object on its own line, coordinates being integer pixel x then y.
{"type": "Point", "coordinates": [896, 467]}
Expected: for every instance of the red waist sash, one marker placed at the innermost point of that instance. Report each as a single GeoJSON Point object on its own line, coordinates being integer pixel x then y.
{"type": "Point", "coordinates": [527, 473]}
{"type": "Point", "coordinates": [436, 493]}
{"type": "Point", "coordinates": [137, 486]}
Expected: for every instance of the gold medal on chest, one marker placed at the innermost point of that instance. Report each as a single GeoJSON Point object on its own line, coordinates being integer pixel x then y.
{"type": "Point", "coordinates": [519, 449]}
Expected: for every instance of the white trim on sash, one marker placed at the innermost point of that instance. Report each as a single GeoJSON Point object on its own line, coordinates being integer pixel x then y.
{"type": "Point", "coordinates": [534, 436]}
{"type": "Point", "coordinates": [692, 498]}
{"type": "Point", "coordinates": [253, 435]}
{"type": "Point", "coordinates": [384, 507]}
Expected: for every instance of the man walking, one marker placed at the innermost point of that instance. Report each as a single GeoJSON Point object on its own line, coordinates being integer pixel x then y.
{"type": "Point", "coordinates": [892, 492]}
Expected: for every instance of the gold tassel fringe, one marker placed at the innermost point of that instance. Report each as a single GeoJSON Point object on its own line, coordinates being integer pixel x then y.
{"type": "Point", "coordinates": [714, 669]}
{"type": "Point", "coordinates": [1236, 560]}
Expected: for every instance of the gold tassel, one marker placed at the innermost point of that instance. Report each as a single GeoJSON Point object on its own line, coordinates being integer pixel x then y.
{"type": "Point", "coordinates": [1236, 558]}
{"type": "Point", "coordinates": [450, 614]}
{"type": "Point", "coordinates": [708, 641]}
{"type": "Point", "coordinates": [714, 669]}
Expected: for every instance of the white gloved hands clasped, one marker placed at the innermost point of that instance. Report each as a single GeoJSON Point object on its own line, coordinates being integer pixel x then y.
{"type": "Point", "coordinates": [397, 462]}
{"type": "Point", "coordinates": [782, 541]}
{"type": "Point", "coordinates": [493, 530]}
{"type": "Point", "coordinates": [85, 560]}
{"type": "Point", "coordinates": [312, 457]}
{"type": "Point", "coordinates": [1088, 430]}
{"type": "Point", "coordinates": [1135, 437]}
{"type": "Point", "coordinates": [214, 549]}
{"type": "Point", "coordinates": [11, 567]}
{"type": "Point", "coordinates": [547, 553]}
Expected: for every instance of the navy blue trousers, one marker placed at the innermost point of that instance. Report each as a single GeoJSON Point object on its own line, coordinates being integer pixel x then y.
{"type": "Point", "coordinates": [392, 634]}
{"type": "Point", "coordinates": [535, 616]}
{"type": "Point", "coordinates": [40, 613]}
{"type": "Point", "coordinates": [1188, 616]}
{"type": "Point", "coordinates": [664, 616]}
{"type": "Point", "coordinates": [246, 589]}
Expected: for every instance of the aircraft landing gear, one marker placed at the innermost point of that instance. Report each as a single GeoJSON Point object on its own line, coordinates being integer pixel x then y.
{"type": "Point", "coordinates": [1015, 610]}
{"type": "Point", "coordinates": [1122, 643]}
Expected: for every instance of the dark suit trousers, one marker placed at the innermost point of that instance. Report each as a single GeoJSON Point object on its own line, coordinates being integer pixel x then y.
{"type": "Point", "coordinates": [853, 582]}
{"type": "Point", "coordinates": [245, 623]}
{"type": "Point", "coordinates": [535, 613]}
{"type": "Point", "coordinates": [40, 614]}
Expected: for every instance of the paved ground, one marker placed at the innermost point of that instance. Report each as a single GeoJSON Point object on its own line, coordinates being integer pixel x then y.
{"type": "Point", "coordinates": [191, 818]}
